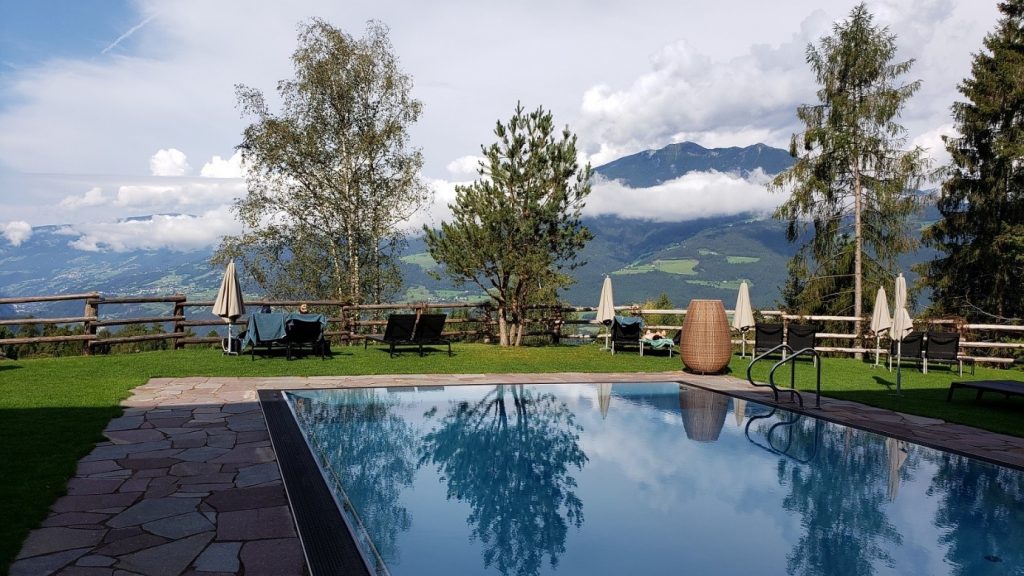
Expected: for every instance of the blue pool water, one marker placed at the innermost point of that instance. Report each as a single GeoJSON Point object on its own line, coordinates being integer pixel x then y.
{"type": "Point", "coordinates": [593, 480]}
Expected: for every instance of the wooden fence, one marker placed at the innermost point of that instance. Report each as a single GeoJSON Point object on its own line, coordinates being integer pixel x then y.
{"type": "Point", "coordinates": [348, 322]}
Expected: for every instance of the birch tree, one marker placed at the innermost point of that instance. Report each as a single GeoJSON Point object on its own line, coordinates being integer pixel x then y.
{"type": "Point", "coordinates": [332, 176]}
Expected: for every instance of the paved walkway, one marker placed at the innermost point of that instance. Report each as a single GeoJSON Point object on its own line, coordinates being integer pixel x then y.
{"type": "Point", "coordinates": [188, 482]}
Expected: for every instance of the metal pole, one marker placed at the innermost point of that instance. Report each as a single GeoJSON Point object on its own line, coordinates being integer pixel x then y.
{"type": "Point", "coordinates": [899, 364]}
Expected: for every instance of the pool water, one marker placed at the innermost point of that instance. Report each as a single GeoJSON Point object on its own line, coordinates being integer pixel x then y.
{"type": "Point", "coordinates": [602, 479]}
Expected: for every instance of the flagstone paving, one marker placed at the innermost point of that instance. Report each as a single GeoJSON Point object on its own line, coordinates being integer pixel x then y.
{"type": "Point", "coordinates": [187, 482]}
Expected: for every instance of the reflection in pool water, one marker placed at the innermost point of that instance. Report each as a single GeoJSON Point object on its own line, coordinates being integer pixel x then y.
{"type": "Point", "coordinates": [648, 479]}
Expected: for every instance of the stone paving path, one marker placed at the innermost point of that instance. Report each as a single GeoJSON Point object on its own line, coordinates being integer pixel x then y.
{"type": "Point", "coordinates": [188, 482]}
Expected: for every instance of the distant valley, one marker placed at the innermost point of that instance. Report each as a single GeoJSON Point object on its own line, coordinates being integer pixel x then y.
{"type": "Point", "coordinates": [703, 258]}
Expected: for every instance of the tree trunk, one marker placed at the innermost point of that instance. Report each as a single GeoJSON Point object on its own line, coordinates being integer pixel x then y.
{"type": "Point", "coordinates": [858, 235]}
{"type": "Point", "coordinates": [502, 327]}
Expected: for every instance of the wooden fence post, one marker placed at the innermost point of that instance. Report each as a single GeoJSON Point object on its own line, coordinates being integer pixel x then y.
{"type": "Point", "coordinates": [92, 310]}
{"type": "Point", "coordinates": [179, 328]}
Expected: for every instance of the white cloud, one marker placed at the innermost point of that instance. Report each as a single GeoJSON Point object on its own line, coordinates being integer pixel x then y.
{"type": "Point", "coordinates": [443, 194]}
{"type": "Point", "coordinates": [634, 83]}
{"type": "Point", "coordinates": [169, 162]}
{"type": "Point", "coordinates": [184, 195]}
{"type": "Point", "coordinates": [465, 166]}
{"type": "Point", "coordinates": [92, 197]}
{"type": "Point", "coordinates": [182, 232]}
{"type": "Point", "coordinates": [218, 167]}
{"type": "Point", "coordinates": [695, 195]}
{"type": "Point", "coordinates": [16, 231]}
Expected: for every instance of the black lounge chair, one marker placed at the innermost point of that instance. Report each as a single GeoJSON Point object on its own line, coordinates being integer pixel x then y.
{"type": "Point", "coordinates": [429, 331]}
{"type": "Point", "coordinates": [912, 348]}
{"type": "Point", "coordinates": [626, 332]}
{"type": "Point", "coordinates": [1005, 387]}
{"type": "Point", "coordinates": [801, 336]}
{"type": "Point", "coordinates": [299, 333]}
{"type": "Point", "coordinates": [398, 332]}
{"type": "Point", "coordinates": [766, 337]}
{"type": "Point", "coordinates": [943, 347]}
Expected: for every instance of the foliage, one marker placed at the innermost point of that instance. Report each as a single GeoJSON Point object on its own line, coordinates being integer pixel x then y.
{"type": "Point", "coordinates": [852, 185]}
{"type": "Point", "coordinates": [518, 226]}
{"type": "Point", "coordinates": [482, 449]}
{"type": "Point", "coordinates": [331, 177]}
{"type": "Point", "coordinates": [662, 302]}
{"type": "Point", "coordinates": [981, 233]}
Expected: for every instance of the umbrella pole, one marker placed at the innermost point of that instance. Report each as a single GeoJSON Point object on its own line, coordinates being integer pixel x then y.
{"type": "Point", "coordinates": [878, 348]}
{"type": "Point", "coordinates": [899, 365]}
{"type": "Point", "coordinates": [743, 337]}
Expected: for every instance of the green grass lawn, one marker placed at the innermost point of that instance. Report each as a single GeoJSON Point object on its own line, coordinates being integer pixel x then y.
{"type": "Point", "coordinates": [53, 410]}
{"type": "Point", "coordinates": [682, 266]}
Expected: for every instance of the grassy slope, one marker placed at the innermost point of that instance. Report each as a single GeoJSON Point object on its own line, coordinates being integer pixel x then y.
{"type": "Point", "coordinates": [52, 411]}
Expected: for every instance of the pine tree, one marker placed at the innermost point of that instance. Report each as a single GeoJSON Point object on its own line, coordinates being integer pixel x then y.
{"type": "Point", "coordinates": [853, 185]}
{"type": "Point", "coordinates": [981, 233]}
{"type": "Point", "coordinates": [518, 226]}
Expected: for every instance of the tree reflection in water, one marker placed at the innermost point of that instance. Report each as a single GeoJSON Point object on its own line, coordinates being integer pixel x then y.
{"type": "Point", "coordinates": [373, 456]}
{"type": "Point", "coordinates": [981, 511]}
{"type": "Point", "coordinates": [513, 469]}
{"type": "Point", "coordinates": [841, 497]}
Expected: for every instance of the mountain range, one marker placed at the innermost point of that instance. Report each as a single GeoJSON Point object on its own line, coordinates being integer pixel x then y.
{"type": "Point", "coordinates": [701, 258]}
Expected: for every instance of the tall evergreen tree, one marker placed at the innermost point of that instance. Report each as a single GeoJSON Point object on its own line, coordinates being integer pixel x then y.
{"type": "Point", "coordinates": [518, 226]}
{"type": "Point", "coordinates": [981, 233]}
{"type": "Point", "coordinates": [852, 184]}
{"type": "Point", "coordinates": [331, 177]}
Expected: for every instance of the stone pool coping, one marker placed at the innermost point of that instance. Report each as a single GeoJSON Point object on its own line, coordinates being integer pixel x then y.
{"type": "Point", "coordinates": [188, 482]}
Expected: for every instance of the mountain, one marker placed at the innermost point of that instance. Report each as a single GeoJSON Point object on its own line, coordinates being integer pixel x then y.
{"type": "Point", "coordinates": [703, 258]}
{"type": "Point", "coordinates": [653, 167]}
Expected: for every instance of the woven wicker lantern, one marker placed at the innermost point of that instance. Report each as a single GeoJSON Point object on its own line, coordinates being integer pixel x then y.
{"type": "Point", "coordinates": [703, 413]}
{"type": "Point", "coordinates": [705, 345]}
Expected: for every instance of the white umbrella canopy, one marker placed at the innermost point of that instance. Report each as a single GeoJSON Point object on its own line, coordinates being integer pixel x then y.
{"type": "Point", "coordinates": [229, 304]}
{"type": "Point", "coordinates": [902, 324]}
{"type": "Point", "coordinates": [743, 314]}
{"type": "Point", "coordinates": [881, 321]}
{"type": "Point", "coordinates": [606, 306]}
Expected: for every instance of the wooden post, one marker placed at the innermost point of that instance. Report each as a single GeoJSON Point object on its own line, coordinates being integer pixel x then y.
{"type": "Point", "coordinates": [179, 328]}
{"type": "Point", "coordinates": [92, 310]}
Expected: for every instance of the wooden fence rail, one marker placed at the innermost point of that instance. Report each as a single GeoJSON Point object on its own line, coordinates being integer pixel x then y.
{"type": "Point", "coordinates": [348, 322]}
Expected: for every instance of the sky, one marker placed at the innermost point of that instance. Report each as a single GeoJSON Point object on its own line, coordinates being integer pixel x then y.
{"type": "Point", "coordinates": [111, 109]}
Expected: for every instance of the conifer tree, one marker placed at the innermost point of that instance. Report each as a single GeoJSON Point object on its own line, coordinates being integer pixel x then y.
{"type": "Point", "coordinates": [517, 227]}
{"type": "Point", "coordinates": [981, 234]}
{"type": "Point", "coordinates": [853, 185]}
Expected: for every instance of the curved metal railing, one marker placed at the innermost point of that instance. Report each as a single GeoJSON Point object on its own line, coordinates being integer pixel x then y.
{"type": "Point", "coordinates": [793, 355]}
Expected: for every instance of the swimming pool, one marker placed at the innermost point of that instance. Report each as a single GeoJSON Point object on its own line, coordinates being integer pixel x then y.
{"type": "Point", "coordinates": [646, 479]}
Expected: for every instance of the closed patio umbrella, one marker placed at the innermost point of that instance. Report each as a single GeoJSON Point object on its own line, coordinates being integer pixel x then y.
{"type": "Point", "coordinates": [881, 321]}
{"type": "Point", "coordinates": [743, 315]}
{"type": "Point", "coordinates": [902, 324]}
{"type": "Point", "coordinates": [897, 451]}
{"type": "Point", "coordinates": [605, 305]}
{"type": "Point", "coordinates": [604, 398]}
{"type": "Point", "coordinates": [229, 304]}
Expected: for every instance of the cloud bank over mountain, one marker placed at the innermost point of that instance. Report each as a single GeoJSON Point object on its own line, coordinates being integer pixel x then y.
{"type": "Point", "coordinates": [148, 121]}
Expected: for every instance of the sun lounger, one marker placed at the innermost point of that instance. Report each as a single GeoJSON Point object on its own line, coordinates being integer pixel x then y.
{"type": "Point", "coordinates": [766, 337]}
{"type": "Point", "coordinates": [943, 347]}
{"type": "Point", "coordinates": [398, 332]}
{"type": "Point", "coordinates": [429, 331]}
{"type": "Point", "coordinates": [1007, 387]}
{"type": "Point", "coordinates": [626, 331]}
{"type": "Point", "coordinates": [305, 330]}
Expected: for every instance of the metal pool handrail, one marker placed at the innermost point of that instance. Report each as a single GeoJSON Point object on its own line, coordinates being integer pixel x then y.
{"type": "Point", "coordinates": [793, 355]}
